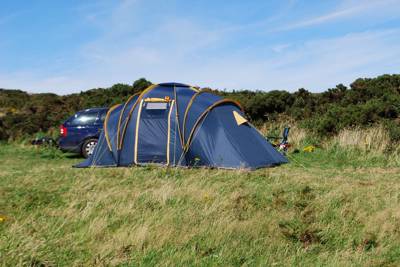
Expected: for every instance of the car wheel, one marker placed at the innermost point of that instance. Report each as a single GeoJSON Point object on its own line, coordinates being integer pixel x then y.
{"type": "Point", "coordinates": [88, 147]}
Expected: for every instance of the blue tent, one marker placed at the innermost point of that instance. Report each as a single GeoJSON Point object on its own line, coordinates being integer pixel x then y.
{"type": "Point", "coordinates": [175, 124]}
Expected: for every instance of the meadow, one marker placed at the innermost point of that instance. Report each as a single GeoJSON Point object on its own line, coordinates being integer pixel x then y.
{"type": "Point", "coordinates": [336, 206]}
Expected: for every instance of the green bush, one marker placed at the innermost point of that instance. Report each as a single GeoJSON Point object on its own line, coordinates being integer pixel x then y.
{"type": "Point", "coordinates": [366, 102]}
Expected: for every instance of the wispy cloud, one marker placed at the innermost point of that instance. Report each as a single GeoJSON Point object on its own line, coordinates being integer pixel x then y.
{"type": "Point", "coordinates": [323, 63]}
{"type": "Point", "coordinates": [348, 9]}
{"type": "Point", "coordinates": [315, 65]}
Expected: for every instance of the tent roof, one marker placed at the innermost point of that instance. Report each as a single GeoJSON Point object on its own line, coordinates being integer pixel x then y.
{"type": "Point", "coordinates": [173, 84]}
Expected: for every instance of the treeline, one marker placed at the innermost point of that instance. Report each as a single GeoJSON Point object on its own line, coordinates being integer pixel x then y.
{"type": "Point", "coordinates": [365, 102]}
{"type": "Point", "coordinates": [23, 115]}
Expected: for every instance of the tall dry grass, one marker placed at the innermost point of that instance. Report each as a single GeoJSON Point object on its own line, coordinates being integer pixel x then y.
{"type": "Point", "coordinates": [365, 139]}
{"type": "Point", "coordinates": [297, 135]}
{"type": "Point", "coordinates": [374, 139]}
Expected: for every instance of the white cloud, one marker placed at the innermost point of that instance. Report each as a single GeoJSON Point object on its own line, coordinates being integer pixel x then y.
{"type": "Point", "coordinates": [316, 65]}
{"type": "Point", "coordinates": [280, 47]}
{"type": "Point", "coordinates": [348, 10]}
{"type": "Point", "coordinates": [323, 63]}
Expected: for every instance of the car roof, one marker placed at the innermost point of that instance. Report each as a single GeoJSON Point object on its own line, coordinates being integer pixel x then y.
{"type": "Point", "coordinates": [92, 109]}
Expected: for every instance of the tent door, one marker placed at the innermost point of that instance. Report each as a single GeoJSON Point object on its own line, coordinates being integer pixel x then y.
{"type": "Point", "coordinates": [153, 132]}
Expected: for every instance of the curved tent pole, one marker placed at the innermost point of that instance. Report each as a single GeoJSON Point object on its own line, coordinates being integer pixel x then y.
{"type": "Point", "coordinates": [183, 154]}
{"type": "Point", "coordinates": [189, 106]}
{"type": "Point", "coordinates": [194, 89]}
{"type": "Point", "coordinates": [98, 156]}
{"type": "Point", "coordinates": [105, 125]}
{"type": "Point", "coordinates": [120, 119]}
{"type": "Point", "coordinates": [222, 101]}
{"type": "Point", "coordinates": [131, 111]}
{"type": "Point", "coordinates": [177, 117]}
{"type": "Point", "coordinates": [121, 136]}
{"type": "Point", "coordinates": [135, 155]}
{"type": "Point", "coordinates": [169, 131]}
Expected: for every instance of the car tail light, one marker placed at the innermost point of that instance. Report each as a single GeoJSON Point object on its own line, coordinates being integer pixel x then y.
{"type": "Point", "coordinates": [63, 131]}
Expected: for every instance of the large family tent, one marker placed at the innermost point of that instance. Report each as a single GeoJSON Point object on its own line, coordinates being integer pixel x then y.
{"type": "Point", "coordinates": [175, 124]}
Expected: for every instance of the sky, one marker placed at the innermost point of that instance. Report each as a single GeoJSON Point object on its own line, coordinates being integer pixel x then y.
{"type": "Point", "coordinates": [74, 45]}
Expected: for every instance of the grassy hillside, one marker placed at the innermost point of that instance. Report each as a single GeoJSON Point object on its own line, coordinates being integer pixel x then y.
{"type": "Point", "coordinates": [335, 207]}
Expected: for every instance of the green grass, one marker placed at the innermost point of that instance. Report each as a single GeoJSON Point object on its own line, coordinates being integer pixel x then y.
{"type": "Point", "coordinates": [332, 207]}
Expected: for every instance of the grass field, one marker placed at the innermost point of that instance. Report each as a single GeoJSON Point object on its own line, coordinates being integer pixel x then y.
{"type": "Point", "coordinates": [333, 207]}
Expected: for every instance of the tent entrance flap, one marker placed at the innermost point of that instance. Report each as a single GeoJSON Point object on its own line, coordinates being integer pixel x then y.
{"type": "Point", "coordinates": [153, 132]}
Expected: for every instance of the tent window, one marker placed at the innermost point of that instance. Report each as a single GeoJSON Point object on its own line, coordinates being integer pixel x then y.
{"type": "Point", "coordinates": [156, 106]}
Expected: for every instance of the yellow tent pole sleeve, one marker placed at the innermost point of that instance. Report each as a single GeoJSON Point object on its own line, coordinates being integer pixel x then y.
{"type": "Point", "coordinates": [156, 99]}
{"type": "Point", "coordinates": [141, 95]}
{"type": "Point", "coordinates": [151, 87]}
{"type": "Point", "coordinates": [189, 106]}
{"type": "Point", "coordinates": [120, 119]}
{"type": "Point", "coordinates": [169, 130]}
{"type": "Point", "coordinates": [126, 123]}
{"type": "Point", "coordinates": [194, 88]}
{"type": "Point", "coordinates": [191, 103]}
{"type": "Point", "coordinates": [137, 132]}
{"type": "Point", "coordinates": [105, 125]}
{"type": "Point", "coordinates": [222, 101]}
{"type": "Point", "coordinates": [236, 103]}
{"type": "Point", "coordinates": [148, 89]}
{"type": "Point", "coordinates": [177, 118]}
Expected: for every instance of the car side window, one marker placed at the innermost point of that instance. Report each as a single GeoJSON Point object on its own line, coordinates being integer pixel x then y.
{"type": "Point", "coordinates": [86, 118]}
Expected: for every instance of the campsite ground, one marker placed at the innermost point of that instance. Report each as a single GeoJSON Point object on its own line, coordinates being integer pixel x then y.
{"type": "Point", "coordinates": [332, 207]}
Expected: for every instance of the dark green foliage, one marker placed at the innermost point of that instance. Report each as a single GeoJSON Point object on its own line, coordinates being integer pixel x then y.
{"type": "Point", "coordinates": [367, 102]}
{"type": "Point", "coordinates": [261, 106]}
{"type": "Point", "coordinates": [394, 130]}
{"type": "Point", "coordinates": [23, 115]}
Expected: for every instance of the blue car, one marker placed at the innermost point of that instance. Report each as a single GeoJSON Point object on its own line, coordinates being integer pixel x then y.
{"type": "Point", "coordinates": [80, 133]}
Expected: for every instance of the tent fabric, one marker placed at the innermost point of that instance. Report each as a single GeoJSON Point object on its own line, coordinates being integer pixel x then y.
{"type": "Point", "coordinates": [173, 124]}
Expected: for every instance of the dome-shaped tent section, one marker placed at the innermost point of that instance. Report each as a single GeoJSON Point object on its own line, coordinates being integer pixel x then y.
{"type": "Point", "coordinates": [178, 125]}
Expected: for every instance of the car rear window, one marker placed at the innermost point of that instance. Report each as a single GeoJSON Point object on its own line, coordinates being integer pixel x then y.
{"type": "Point", "coordinates": [85, 118]}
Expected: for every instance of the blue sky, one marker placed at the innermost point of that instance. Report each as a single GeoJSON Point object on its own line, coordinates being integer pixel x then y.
{"type": "Point", "coordinates": [69, 46]}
